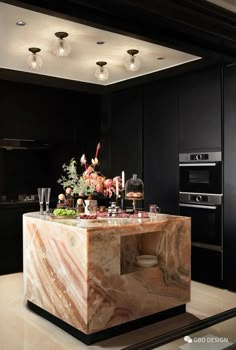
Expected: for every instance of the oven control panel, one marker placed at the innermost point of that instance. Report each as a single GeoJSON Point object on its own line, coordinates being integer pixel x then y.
{"type": "Point", "coordinates": [199, 156]}
{"type": "Point", "coordinates": [200, 198]}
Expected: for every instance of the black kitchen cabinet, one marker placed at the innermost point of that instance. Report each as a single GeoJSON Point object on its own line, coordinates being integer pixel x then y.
{"type": "Point", "coordinates": [229, 176]}
{"type": "Point", "coordinates": [24, 110]}
{"type": "Point", "coordinates": [125, 136]}
{"type": "Point", "coordinates": [161, 171]}
{"type": "Point", "coordinates": [11, 236]}
{"type": "Point", "coordinates": [206, 266]}
{"type": "Point", "coordinates": [200, 111]}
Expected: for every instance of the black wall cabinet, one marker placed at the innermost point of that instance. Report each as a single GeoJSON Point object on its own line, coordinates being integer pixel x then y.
{"type": "Point", "coordinates": [200, 111]}
{"type": "Point", "coordinates": [230, 177]}
{"type": "Point", "coordinates": [161, 145]}
{"type": "Point", "coordinates": [24, 111]}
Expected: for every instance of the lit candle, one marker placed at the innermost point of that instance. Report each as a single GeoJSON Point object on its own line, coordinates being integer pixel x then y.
{"type": "Point", "coordinates": [117, 187]}
{"type": "Point", "coordinates": [123, 179]}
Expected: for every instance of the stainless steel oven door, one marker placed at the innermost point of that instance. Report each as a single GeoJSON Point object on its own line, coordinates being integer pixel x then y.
{"type": "Point", "coordinates": [206, 224]}
{"type": "Point", "coordinates": [201, 177]}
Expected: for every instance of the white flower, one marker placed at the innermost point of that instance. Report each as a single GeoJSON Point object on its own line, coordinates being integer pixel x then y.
{"type": "Point", "coordinates": [95, 161]}
{"type": "Point", "coordinates": [83, 159]}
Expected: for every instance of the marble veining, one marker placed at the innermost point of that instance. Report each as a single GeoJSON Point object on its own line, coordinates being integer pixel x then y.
{"type": "Point", "coordinates": [86, 274]}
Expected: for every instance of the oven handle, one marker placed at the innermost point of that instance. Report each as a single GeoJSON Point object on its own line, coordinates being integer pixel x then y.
{"type": "Point", "coordinates": [197, 164]}
{"type": "Point", "coordinates": [213, 207]}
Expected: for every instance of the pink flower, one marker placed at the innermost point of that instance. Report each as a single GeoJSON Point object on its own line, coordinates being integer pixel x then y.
{"type": "Point", "coordinates": [99, 187]}
{"type": "Point", "coordinates": [108, 192]}
{"type": "Point", "coordinates": [89, 170]}
{"type": "Point", "coordinates": [117, 178]}
{"type": "Point", "coordinates": [108, 183]}
{"type": "Point", "coordinates": [94, 176]}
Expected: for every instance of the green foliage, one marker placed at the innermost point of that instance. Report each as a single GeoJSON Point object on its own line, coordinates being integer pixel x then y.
{"type": "Point", "coordinates": [75, 181]}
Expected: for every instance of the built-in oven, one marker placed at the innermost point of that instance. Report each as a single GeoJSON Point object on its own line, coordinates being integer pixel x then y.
{"type": "Point", "coordinates": [205, 211]}
{"type": "Point", "coordinates": [200, 172]}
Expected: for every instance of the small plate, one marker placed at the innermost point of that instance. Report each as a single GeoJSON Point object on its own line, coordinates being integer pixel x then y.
{"type": "Point", "coordinates": [62, 216]}
{"type": "Point", "coordinates": [146, 257]}
{"type": "Point", "coordinates": [146, 263]}
{"type": "Point", "coordinates": [146, 260]}
{"type": "Point", "coordinates": [88, 220]}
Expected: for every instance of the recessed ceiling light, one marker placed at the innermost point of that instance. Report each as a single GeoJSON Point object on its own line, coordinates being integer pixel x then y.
{"type": "Point", "coordinates": [20, 23]}
{"type": "Point", "coordinates": [160, 58]}
{"type": "Point", "coordinates": [100, 42]}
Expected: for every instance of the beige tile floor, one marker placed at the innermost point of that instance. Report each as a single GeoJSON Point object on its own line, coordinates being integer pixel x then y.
{"type": "Point", "coordinates": [21, 329]}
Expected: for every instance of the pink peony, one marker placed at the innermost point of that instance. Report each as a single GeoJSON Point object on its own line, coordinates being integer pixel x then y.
{"type": "Point", "coordinates": [99, 187]}
{"type": "Point", "coordinates": [88, 171]}
{"type": "Point", "coordinates": [94, 176]}
{"type": "Point", "coordinates": [108, 183]}
{"type": "Point", "coordinates": [117, 178]}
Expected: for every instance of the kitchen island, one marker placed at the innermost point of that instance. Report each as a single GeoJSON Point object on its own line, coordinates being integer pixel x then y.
{"type": "Point", "coordinates": [83, 276]}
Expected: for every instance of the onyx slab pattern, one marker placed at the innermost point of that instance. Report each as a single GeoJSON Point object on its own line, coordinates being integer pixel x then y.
{"type": "Point", "coordinates": [85, 273]}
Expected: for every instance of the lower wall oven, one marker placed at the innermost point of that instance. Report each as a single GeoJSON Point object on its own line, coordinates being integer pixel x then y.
{"type": "Point", "coordinates": [205, 211]}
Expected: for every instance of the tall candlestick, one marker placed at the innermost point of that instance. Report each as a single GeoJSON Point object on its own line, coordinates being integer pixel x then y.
{"type": "Point", "coordinates": [123, 179]}
{"type": "Point", "coordinates": [117, 188]}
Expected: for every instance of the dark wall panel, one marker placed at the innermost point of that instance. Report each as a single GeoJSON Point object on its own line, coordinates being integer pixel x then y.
{"type": "Point", "coordinates": [126, 133]}
{"type": "Point", "coordinates": [161, 145]}
{"type": "Point", "coordinates": [230, 176]}
{"type": "Point", "coordinates": [200, 110]}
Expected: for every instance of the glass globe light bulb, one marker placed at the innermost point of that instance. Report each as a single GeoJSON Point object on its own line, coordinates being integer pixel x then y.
{"type": "Point", "coordinates": [102, 73]}
{"type": "Point", "coordinates": [132, 63]}
{"type": "Point", "coordinates": [34, 61]}
{"type": "Point", "coordinates": [62, 48]}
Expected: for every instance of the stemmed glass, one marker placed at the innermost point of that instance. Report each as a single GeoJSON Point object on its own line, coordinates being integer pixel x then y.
{"type": "Point", "coordinates": [41, 194]}
{"type": "Point", "coordinates": [47, 198]}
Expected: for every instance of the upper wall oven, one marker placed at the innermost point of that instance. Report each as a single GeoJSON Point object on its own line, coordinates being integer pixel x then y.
{"type": "Point", "coordinates": [201, 172]}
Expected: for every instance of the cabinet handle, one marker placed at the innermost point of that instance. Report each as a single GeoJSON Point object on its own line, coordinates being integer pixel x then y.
{"type": "Point", "coordinates": [197, 164]}
{"type": "Point", "coordinates": [213, 207]}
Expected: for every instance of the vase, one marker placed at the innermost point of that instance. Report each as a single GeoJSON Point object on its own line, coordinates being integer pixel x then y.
{"type": "Point", "coordinates": [90, 206]}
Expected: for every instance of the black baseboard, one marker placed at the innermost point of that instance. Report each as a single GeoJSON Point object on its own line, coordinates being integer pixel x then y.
{"type": "Point", "coordinates": [110, 332]}
{"type": "Point", "coordinates": [197, 326]}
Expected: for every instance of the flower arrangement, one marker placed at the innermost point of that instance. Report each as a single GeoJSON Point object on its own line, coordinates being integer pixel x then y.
{"type": "Point", "coordinates": [90, 181]}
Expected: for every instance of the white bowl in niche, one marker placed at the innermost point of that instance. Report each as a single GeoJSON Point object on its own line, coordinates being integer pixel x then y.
{"type": "Point", "coordinates": [146, 260]}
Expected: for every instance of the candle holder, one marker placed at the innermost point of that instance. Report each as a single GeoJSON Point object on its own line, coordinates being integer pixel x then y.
{"type": "Point", "coordinates": [118, 200]}
{"type": "Point", "coordinates": [122, 199]}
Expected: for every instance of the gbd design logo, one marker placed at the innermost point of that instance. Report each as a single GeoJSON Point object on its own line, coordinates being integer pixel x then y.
{"type": "Point", "coordinates": [188, 339]}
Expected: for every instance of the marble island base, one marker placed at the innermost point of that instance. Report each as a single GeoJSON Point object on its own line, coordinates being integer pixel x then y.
{"type": "Point", "coordinates": [84, 277]}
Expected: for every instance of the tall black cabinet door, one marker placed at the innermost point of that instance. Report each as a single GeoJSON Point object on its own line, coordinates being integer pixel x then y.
{"type": "Point", "coordinates": [161, 172]}
{"type": "Point", "coordinates": [230, 177]}
{"type": "Point", "coordinates": [125, 133]}
{"type": "Point", "coordinates": [200, 111]}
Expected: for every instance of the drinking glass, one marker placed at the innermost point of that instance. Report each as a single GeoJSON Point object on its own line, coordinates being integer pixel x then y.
{"type": "Point", "coordinates": [41, 193]}
{"type": "Point", "coordinates": [47, 198]}
{"type": "Point", "coordinates": [153, 210]}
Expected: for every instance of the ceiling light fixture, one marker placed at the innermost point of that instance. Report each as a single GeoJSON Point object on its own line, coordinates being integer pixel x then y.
{"type": "Point", "coordinates": [63, 47]}
{"type": "Point", "coordinates": [132, 62]}
{"type": "Point", "coordinates": [20, 23]}
{"type": "Point", "coordinates": [101, 72]}
{"type": "Point", "coordinates": [34, 61]}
